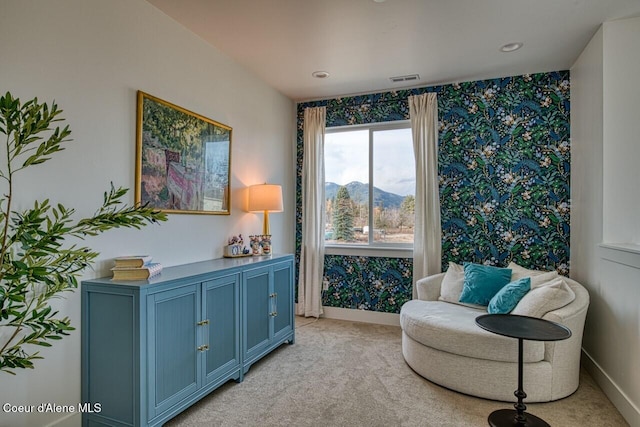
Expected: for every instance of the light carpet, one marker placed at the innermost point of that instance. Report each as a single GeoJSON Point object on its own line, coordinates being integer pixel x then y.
{"type": "Point", "coordinates": [341, 373]}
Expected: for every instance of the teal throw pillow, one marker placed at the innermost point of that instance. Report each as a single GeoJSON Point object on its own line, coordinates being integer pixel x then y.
{"type": "Point", "coordinates": [482, 282]}
{"type": "Point", "coordinates": [508, 297]}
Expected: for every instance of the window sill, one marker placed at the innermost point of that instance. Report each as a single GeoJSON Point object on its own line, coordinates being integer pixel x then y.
{"type": "Point", "coordinates": [621, 253]}
{"type": "Point", "coordinates": [369, 251]}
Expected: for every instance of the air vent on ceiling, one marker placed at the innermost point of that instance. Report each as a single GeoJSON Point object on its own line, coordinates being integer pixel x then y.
{"type": "Point", "coordinates": [407, 78]}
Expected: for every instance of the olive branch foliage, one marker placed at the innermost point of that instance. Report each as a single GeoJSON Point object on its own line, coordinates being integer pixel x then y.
{"type": "Point", "coordinates": [36, 264]}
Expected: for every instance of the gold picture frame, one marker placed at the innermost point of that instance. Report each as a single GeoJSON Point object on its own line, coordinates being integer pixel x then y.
{"type": "Point", "coordinates": [183, 159]}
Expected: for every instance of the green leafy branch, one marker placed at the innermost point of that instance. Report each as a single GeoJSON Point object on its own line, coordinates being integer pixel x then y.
{"type": "Point", "coordinates": [37, 266]}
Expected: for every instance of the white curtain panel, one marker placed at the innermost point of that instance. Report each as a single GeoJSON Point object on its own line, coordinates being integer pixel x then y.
{"type": "Point", "coordinates": [313, 215]}
{"type": "Point", "coordinates": [427, 239]}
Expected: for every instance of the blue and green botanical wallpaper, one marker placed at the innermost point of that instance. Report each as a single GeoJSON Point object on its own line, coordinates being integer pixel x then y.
{"type": "Point", "coordinates": [504, 167]}
{"type": "Point", "coordinates": [367, 283]}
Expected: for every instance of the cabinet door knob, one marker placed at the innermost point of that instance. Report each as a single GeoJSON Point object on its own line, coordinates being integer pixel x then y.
{"type": "Point", "coordinates": [204, 347]}
{"type": "Point", "coordinates": [273, 314]}
{"type": "Point", "coordinates": [203, 322]}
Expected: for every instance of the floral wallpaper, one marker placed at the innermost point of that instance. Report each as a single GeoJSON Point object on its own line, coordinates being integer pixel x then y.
{"type": "Point", "coordinates": [504, 168]}
{"type": "Point", "coordinates": [367, 283]}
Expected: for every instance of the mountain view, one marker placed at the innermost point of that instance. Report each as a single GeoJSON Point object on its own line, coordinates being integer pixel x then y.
{"type": "Point", "coordinates": [359, 193]}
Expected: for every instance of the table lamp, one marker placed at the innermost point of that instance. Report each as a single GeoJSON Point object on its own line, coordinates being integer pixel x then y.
{"type": "Point", "coordinates": [265, 198]}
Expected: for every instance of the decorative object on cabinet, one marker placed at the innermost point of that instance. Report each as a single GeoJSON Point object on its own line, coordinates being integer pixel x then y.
{"type": "Point", "coordinates": [36, 263]}
{"type": "Point", "coordinates": [151, 349]}
{"type": "Point", "coordinates": [233, 251]}
{"type": "Point", "coordinates": [132, 260]}
{"type": "Point", "coordinates": [261, 244]}
{"type": "Point", "coordinates": [137, 273]}
{"type": "Point", "coordinates": [265, 198]}
{"type": "Point", "coordinates": [236, 248]}
{"type": "Point", "coordinates": [265, 244]}
{"type": "Point", "coordinates": [255, 244]}
{"type": "Point", "coordinates": [183, 160]}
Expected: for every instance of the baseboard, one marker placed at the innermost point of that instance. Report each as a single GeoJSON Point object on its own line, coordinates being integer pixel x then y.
{"type": "Point", "coordinates": [70, 420]}
{"type": "Point", "coordinates": [364, 316]}
{"type": "Point", "coordinates": [620, 400]}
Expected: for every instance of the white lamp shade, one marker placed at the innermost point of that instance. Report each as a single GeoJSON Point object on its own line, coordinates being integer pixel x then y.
{"type": "Point", "coordinates": [265, 197]}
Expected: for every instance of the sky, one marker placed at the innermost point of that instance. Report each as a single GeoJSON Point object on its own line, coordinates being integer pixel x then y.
{"type": "Point", "coordinates": [346, 159]}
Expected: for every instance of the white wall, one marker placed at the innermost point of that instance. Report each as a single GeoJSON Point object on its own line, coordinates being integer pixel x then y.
{"type": "Point", "coordinates": [586, 160]}
{"type": "Point", "coordinates": [91, 56]}
{"type": "Point", "coordinates": [621, 131]}
{"type": "Point", "coordinates": [611, 340]}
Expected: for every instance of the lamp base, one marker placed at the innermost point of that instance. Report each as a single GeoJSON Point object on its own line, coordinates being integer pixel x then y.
{"type": "Point", "coordinates": [265, 224]}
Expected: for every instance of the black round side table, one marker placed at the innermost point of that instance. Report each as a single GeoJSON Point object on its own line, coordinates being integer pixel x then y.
{"type": "Point", "coordinates": [522, 328]}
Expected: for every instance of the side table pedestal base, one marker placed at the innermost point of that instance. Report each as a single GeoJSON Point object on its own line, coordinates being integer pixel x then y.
{"type": "Point", "coordinates": [507, 418]}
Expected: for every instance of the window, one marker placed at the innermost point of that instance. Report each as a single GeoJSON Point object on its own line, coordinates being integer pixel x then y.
{"type": "Point", "coordinates": [369, 186]}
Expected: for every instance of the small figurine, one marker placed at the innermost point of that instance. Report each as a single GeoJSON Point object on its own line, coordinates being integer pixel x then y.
{"type": "Point", "coordinates": [236, 240]}
{"type": "Point", "coordinates": [255, 244]}
{"type": "Point", "coordinates": [266, 244]}
{"type": "Point", "coordinates": [235, 247]}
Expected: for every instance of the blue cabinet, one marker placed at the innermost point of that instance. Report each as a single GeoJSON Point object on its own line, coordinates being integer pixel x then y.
{"type": "Point", "coordinates": [172, 342]}
{"type": "Point", "coordinates": [266, 302]}
{"type": "Point", "coordinates": [283, 323]}
{"type": "Point", "coordinates": [220, 328]}
{"type": "Point", "coordinates": [150, 349]}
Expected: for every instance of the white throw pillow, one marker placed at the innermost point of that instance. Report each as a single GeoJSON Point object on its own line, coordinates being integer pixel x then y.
{"type": "Point", "coordinates": [545, 298]}
{"type": "Point", "coordinates": [518, 271]}
{"type": "Point", "coordinates": [538, 277]}
{"type": "Point", "coordinates": [452, 283]}
{"type": "Point", "coordinates": [542, 279]}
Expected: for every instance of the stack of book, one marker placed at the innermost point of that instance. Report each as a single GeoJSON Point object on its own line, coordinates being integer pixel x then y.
{"type": "Point", "coordinates": [135, 267]}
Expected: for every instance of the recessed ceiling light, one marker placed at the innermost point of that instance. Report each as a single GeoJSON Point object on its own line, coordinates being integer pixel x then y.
{"type": "Point", "coordinates": [379, 1]}
{"type": "Point", "coordinates": [320, 74]}
{"type": "Point", "coordinates": [510, 47]}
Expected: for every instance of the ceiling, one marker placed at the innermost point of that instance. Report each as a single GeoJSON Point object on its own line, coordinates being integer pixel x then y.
{"type": "Point", "coordinates": [362, 43]}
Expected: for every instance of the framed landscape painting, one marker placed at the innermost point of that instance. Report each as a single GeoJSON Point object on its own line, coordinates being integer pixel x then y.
{"type": "Point", "coordinates": [183, 160]}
